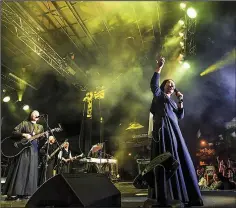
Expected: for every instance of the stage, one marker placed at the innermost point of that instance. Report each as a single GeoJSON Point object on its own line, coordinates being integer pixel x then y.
{"type": "Point", "coordinates": [132, 197]}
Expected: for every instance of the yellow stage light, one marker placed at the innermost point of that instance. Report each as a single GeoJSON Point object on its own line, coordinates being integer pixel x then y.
{"type": "Point", "coordinates": [6, 99]}
{"type": "Point", "coordinates": [181, 22]}
{"type": "Point", "coordinates": [181, 34]}
{"type": "Point", "coordinates": [191, 12]}
{"type": "Point", "coordinates": [25, 107]}
{"type": "Point", "coordinates": [186, 65]}
{"type": "Point", "coordinates": [182, 5]}
{"type": "Point", "coordinates": [226, 60]}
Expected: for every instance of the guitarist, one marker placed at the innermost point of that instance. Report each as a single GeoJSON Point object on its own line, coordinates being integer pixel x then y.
{"type": "Point", "coordinates": [22, 177]}
{"type": "Point", "coordinates": [65, 157]}
{"type": "Point", "coordinates": [46, 150]}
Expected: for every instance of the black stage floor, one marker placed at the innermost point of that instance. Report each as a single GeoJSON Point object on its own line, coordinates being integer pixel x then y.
{"type": "Point", "coordinates": [134, 198]}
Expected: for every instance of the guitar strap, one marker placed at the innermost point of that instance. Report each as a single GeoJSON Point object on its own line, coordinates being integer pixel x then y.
{"type": "Point", "coordinates": [34, 142]}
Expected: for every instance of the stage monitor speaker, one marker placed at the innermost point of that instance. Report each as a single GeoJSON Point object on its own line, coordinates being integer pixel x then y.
{"type": "Point", "coordinates": [76, 190]}
{"type": "Point", "coordinates": [165, 160]}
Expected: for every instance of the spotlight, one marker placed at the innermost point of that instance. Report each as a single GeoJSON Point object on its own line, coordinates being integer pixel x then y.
{"type": "Point", "coordinates": [181, 22]}
{"type": "Point", "coordinates": [25, 107]}
{"type": "Point", "coordinates": [181, 44]}
{"type": "Point", "coordinates": [182, 5]}
{"type": "Point", "coordinates": [180, 58]}
{"type": "Point", "coordinates": [6, 99]}
{"type": "Point", "coordinates": [181, 34]}
{"type": "Point", "coordinates": [186, 65]}
{"type": "Point", "coordinates": [129, 154]}
{"type": "Point", "coordinates": [203, 143]}
{"type": "Point", "coordinates": [191, 12]}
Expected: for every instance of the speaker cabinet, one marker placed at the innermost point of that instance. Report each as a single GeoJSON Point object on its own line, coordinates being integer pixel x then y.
{"type": "Point", "coordinates": [76, 190]}
{"type": "Point", "coordinates": [165, 160]}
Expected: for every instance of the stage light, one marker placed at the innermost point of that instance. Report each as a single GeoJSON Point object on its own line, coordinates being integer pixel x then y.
{"type": "Point", "coordinates": [191, 12]}
{"type": "Point", "coordinates": [181, 22]}
{"type": "Point", "coordinates": [203, 143]}
{"type": "Point", "coordinates": [181, 34]}
{"type": "Point", "coordinates": [181, 44]}
{"type": "Point", "coordinates": [25, 107]}
{"type": "Point", "coordinates": [129, 154]}
{"type": "Point", "coordinates": [6, 99]}
{"type": "Point", "coordinates": [186, 65]}
{"type": "Point", "coordinates": [182, 5]}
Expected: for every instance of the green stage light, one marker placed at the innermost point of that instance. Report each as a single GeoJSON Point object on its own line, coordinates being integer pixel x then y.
{"type": "Point", "coordinates": [181, 22]}
{"type": "Point", "coordinates": [191, 12]}
{"type": "Point", "coordinates": [6, 99]}
{"type": "Point", "coordinates": [186, 65]}
{"type": "Point", "coordinates": [182, 5]}
{"type": "Point", "coordinates": [25, 107]}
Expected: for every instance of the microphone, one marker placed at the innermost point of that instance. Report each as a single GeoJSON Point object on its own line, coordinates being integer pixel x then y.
{"type": "Point", "coordinates": [41, 115]}
{"type": "Point", "coordinates": [180, 97]}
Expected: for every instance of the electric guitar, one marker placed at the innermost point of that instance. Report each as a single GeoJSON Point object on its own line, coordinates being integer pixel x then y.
{"type": "Point", "coordinates": [49, 157]}
{"type": "Point", "coordinates": [12, 147]}
{"type": "Point", "coordinates": [62, 162]}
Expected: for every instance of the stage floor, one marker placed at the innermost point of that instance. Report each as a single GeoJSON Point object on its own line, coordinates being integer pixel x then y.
{"type": "Point", "coordinates": [134, 198]}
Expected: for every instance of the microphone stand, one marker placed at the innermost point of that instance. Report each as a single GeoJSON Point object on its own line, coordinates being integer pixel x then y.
{"type": "Point", "coordinates": [47, 155]}
{"type": "Point", "coordinates": [82, 130]}
{"type": "Point", "coordinates": [46, 162]}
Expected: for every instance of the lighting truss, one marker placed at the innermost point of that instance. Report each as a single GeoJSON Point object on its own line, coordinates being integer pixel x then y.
{"type": "Point", "coordinates": [190, 44]}
{"type": "Point", "coordinates": [32, 39]}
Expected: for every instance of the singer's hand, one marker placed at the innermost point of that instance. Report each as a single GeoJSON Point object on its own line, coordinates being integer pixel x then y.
{"type": "Point", "coordinates": [160, 62]}
{"type": "Point", "coordinates": [179, 95]}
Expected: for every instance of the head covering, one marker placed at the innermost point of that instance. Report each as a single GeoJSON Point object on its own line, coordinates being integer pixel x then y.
{"type": "Point", "coordinates": [164, 83]}
{"type": "Point", "coordinates": [29, 116]}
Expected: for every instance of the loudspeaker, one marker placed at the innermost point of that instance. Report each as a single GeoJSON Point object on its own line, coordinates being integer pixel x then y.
{"type": "Point", "coordinates": [76, 190]}
{"type": "Point", "coordinates": [165, 160]}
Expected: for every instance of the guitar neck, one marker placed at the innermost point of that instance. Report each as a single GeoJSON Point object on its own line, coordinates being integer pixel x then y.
{"type": "Point", "coordinates": [37, 136]}
{"type": "Point", "coordinates": [55, 152]}
{"type": "Point", "coordinates": [58, 149]}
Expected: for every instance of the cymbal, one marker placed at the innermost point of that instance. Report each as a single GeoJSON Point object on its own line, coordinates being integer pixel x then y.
{"type": "Point", "coordinates": [134, 125]}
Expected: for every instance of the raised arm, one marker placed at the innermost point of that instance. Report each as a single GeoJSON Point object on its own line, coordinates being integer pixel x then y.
{"type": "Point", "coordinates": [156, 78]}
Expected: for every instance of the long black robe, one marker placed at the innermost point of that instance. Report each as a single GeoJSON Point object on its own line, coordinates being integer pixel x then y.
{"type": "Point", "coordinates": [167, 137]}
{"type": "Point", "coordinates": [22, 177]}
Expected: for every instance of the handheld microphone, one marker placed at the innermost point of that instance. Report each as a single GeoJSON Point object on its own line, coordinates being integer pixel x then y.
{"type": "Point", "coordinates": [41, 115]}
{"type": "Point", "coordinates": [180, 97]}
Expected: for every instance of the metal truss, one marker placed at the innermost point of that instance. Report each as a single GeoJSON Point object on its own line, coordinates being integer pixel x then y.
{"type": "Point", "coordinates": [190, 43]}
{"type": "Point", "coordinates": [32, 39]}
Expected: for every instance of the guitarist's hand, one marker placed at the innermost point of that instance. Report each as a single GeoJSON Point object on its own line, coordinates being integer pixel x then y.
{"type": "Point", "coordinates": [27, 136]}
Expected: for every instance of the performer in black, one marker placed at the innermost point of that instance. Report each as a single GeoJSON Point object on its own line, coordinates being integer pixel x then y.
{"type": "Point", "coordinates": [22, 177]}
{"type": "Point", "coordinates": [167, 137]}
{"type": "Point", "coordinates": [46, 150]}
{"type": "Point", "coordinates": [65, 158]}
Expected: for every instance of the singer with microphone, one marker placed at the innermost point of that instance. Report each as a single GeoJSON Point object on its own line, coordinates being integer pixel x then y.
{"type": "Point", "coordinates": [167, 137]}
{"type": "Point", "coordinates": [22, 176]}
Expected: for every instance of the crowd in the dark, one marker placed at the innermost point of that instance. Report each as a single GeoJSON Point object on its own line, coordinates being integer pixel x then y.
{"type": "Point", "coordinates": [221, 176]}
